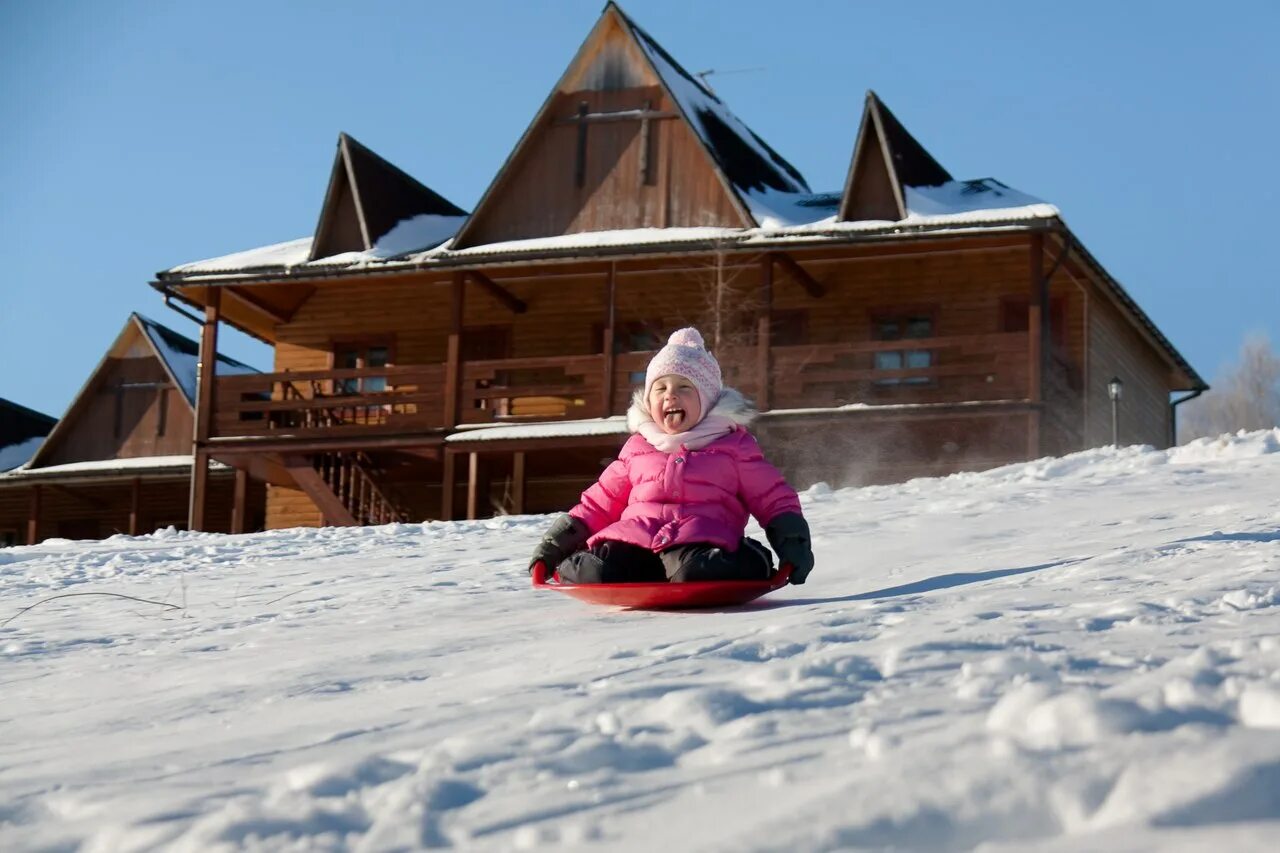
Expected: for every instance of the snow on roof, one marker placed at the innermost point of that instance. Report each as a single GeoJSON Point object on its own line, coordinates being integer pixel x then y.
{"type": "Point", "coordinates": [418, 233]}
{"type": "Point", "coordinates": [106, 466]}
{"type": "Point", "coordinates": [616, 425]}
{"type": "Point", "coordinates": [14, 455]}
{"type": "Point", "coordinates": [782, 216]}
{"type": "Point", "coordinates": [182, 356]}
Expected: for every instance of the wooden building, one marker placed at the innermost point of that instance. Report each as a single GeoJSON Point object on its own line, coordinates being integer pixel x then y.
{"type": "Point", "coordinates": [432, 364]}
{"type": "Point", "coordinates": [119, 460]}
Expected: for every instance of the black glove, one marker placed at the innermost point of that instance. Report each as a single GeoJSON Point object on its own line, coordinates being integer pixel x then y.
{"type": "Point", "coordinates": [566, 535]}
{"type": "Point", "coordinates": [789, 536]}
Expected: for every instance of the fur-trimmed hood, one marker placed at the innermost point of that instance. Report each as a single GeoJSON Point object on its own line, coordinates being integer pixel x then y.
{"type": "Point", "coordinates": [730, 404]}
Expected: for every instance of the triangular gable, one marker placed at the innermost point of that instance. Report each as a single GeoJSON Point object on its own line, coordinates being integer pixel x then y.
{"type": "Point", "coordinates": [22, 430]}
{"type": "Point", "coordinates": [180, 356]}
{"type": "Point", "coordinates": [886, 160]}
{"type": "Point", "coordinates": [176, 354]}
{"type": "Point", "coordinates": [367, 198]}
{"type": "Point", "coordinates": [626, 139]}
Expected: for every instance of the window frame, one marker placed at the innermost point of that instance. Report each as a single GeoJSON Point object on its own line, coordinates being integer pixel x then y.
{"type": "Point", "coordinates": [903, 315]}
{"type": "Point", "coordinates": [362, 347]}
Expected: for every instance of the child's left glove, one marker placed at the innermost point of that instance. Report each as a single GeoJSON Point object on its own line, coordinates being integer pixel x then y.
{"type": "Point", "coordinates": [789, 535]}
{"type": "Point", "coordinates": [565, 536]}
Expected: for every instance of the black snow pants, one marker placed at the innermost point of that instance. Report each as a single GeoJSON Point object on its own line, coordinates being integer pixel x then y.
{"type": "Point", "coordinates": [620, 562]}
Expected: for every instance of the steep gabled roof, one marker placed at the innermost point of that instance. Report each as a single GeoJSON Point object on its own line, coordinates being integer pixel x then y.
{"type": "Point", "coordinates": [887, 160]}
{"type": "Point", "coordinates": [743, 163]}
{"type": "Point", "coordinates": [21, 432]}
{"type": "Point", "coordinates": [747, 161]}
{"type": "Point", "coordinates": [368, 198]}
{"type": "Point", "coordinates": [178, 356]}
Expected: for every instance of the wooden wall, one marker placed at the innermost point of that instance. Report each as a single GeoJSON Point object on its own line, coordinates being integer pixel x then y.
{"type": "Point", "coordinates": [108, 422]}
{"type": "Point", "coordinates": [101, 509]}
{"type": "Point", "coordinates": [1116, 349]}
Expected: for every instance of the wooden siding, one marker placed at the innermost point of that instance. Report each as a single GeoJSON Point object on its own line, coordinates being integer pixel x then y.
{"type": "Point", "coordinates": [288, 507]}
{"type": "Point", "coordinates": [101, 509]}
{"type": "Point", "coordinates": [111, 422]}
{"type": "Point", "coordinates": [1116, 349]}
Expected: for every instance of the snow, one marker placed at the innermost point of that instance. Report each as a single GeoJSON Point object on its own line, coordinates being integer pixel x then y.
{"type": "Point", "coordinates": [287, 254]}
{"type": "Point", "coordinates": [99, 466]}
{"type": "Point", "coordinates": [1069, 654]}
{"type": "Point", "coordinates": [14, 455]}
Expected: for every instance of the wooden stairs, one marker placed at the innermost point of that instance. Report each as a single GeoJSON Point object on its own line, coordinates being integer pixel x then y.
{"type": "Point", "coordinates": [344, 486]}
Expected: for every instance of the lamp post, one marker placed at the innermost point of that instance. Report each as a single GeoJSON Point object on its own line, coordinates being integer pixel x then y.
{"type": "Point", "coordinates": [1115, 390]}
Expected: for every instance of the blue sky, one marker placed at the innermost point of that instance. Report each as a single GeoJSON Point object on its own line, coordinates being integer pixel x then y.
{"type": "Point", "coordinates": [140, 135]}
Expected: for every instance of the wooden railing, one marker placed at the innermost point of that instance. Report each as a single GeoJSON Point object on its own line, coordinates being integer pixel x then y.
{"type": "Point", "coordinates": [315, 403]}
{"type": "Point", "coordinates": [352, 479]}
{"type": "Point", "coordinates": [399, 399]}
{"type": "Point", "coordinates": [961, 368]}
{"type": "Point", "coordinates": [536, 389]}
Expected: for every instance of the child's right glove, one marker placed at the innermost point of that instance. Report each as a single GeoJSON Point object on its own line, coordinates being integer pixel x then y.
{"type": "Point", "coordinates": [566, 535]}
{"type": "Point", "coordinates": [789, 535]}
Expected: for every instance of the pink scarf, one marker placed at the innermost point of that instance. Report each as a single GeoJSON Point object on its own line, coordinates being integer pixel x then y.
{"type": "Point", "coordinates": [703, 433]}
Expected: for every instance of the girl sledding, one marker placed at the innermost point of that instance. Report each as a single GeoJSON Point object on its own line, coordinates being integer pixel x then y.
{"type": "Point", "coordinates": [673, 507]}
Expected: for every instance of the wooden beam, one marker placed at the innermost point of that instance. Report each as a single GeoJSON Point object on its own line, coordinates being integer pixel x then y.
{"type": "Point", "coordinates": [448, 479]}
{"type": "Point", "coordinates": [610, 319]}
{"type": "Point", "coordinates": [811, 285]}
{"type": "Point", "coordinates": [642, 115]}
{"type": "Point", "coordinates": [309, 480]}
{"type": "Point", "coordinates": [764, 332]}
{"type": "Point", "coordinates": [453, 365]}
{"type": "Point", "coordinates": [135, 505]}
{"type": "Point", "coordinates": [204, 408]}
{"type": "Point", "coordinates": [473, 486]}
{"type": "Point", "coordinates": [256, 304]}
{"type": "Point", "coordinates": [1037, 317]}
{"type": "Point", "coordinates": [239, 501]}
{"type": "Point", "coordinates": [33, 516]}
{"type": "Point", "coordinates": [497, 291]}
{"type": "Point", "coordinates": [518, 479]}
{"type": "Point", "coordinates": [199, 489]}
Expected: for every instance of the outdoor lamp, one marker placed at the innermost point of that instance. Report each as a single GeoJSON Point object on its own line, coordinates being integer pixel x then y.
{"type": "Point", "coordinates": [1115, 388]}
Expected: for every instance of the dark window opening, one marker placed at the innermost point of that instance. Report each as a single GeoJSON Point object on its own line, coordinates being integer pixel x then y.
{"type": "Point", "coordinates": [904, 328]}
{"type": "Point", "coordinates": [361, 356]}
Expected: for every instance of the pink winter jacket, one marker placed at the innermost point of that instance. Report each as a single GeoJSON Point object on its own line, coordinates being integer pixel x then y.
{"type": "Point", "coordinates": [659, 500]}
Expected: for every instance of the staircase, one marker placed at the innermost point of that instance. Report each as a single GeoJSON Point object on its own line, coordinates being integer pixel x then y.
{"type": "Point", "coordinates": [344, 485]}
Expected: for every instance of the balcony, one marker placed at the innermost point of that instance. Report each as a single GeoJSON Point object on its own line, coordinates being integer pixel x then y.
{"type": "Point", "coordinates": [412, 399]}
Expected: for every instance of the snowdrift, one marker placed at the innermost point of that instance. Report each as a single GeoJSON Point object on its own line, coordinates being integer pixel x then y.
{"type": "Point", "coordinates": [1069, 654]}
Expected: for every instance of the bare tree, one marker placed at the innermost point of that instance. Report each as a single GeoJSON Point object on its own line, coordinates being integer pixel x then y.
{"type": "Point", "coordinates": [1245, 396]}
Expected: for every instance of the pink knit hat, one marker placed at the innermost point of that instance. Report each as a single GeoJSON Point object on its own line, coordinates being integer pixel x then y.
{"type": "Point", "coordinates": [686, 355]}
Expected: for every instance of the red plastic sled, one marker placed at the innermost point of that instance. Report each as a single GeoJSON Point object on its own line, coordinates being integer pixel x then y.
{"type": "Point", "coordinates": [663, 596]}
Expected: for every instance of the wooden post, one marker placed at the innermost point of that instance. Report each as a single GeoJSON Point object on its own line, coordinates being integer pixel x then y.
{"type": "Point", "coordinates": [473, 486]}
{"type": "Point", "coordinates": [204, 409]}
{"type": "Point", "coordinates": [1037, 312]}
{"type": "Point", "coordinates": [764, 332]}
{"type": "Point", "coordinates": [453, 369]}
{"type": "Point", "coordinates": [238, 504]}
{"type": "Point", "coordinates": [135, 502]}
{"type": "Point", "coordinates": [610, 318]}
{"type": "Point", "coordinates": [517, 483]}
{"type": "Point", "coordinates": [33, 516]}
{"type": "Point", "coordinates": [448, 477]}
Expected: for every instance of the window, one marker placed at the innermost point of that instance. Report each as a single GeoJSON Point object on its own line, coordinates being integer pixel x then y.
{"type": "Point", "coordinates": [349, 356]}
{"type": "Point", "coordinates": [903, 327]}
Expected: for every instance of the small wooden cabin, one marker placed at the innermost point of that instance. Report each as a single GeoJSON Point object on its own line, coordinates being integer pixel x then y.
{"type": "Point", "coordinates": [434, 364]}
{"type": "Point", "coordinates": [119, 460]}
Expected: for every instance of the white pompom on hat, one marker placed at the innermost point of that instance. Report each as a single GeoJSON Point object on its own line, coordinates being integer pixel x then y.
{"type": "Point", "coordinates": [686, 355]}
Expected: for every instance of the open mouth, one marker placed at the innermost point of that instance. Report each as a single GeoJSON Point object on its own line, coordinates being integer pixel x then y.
{"type": "Point", "coordinates": [673, 417]}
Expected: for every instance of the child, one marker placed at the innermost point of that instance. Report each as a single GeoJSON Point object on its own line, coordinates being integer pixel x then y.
{"type": "Point", "coordinates": [673, 506]}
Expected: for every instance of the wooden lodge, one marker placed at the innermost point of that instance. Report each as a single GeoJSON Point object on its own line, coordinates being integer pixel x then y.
{"type": "Point", "coordinates": [119, 460]}
{"type": "Point", "coordinates": [434, 364]}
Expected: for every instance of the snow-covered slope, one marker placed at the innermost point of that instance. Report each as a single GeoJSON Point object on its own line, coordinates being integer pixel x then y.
{"type": "Point", "coordinates": [1071, 654]}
